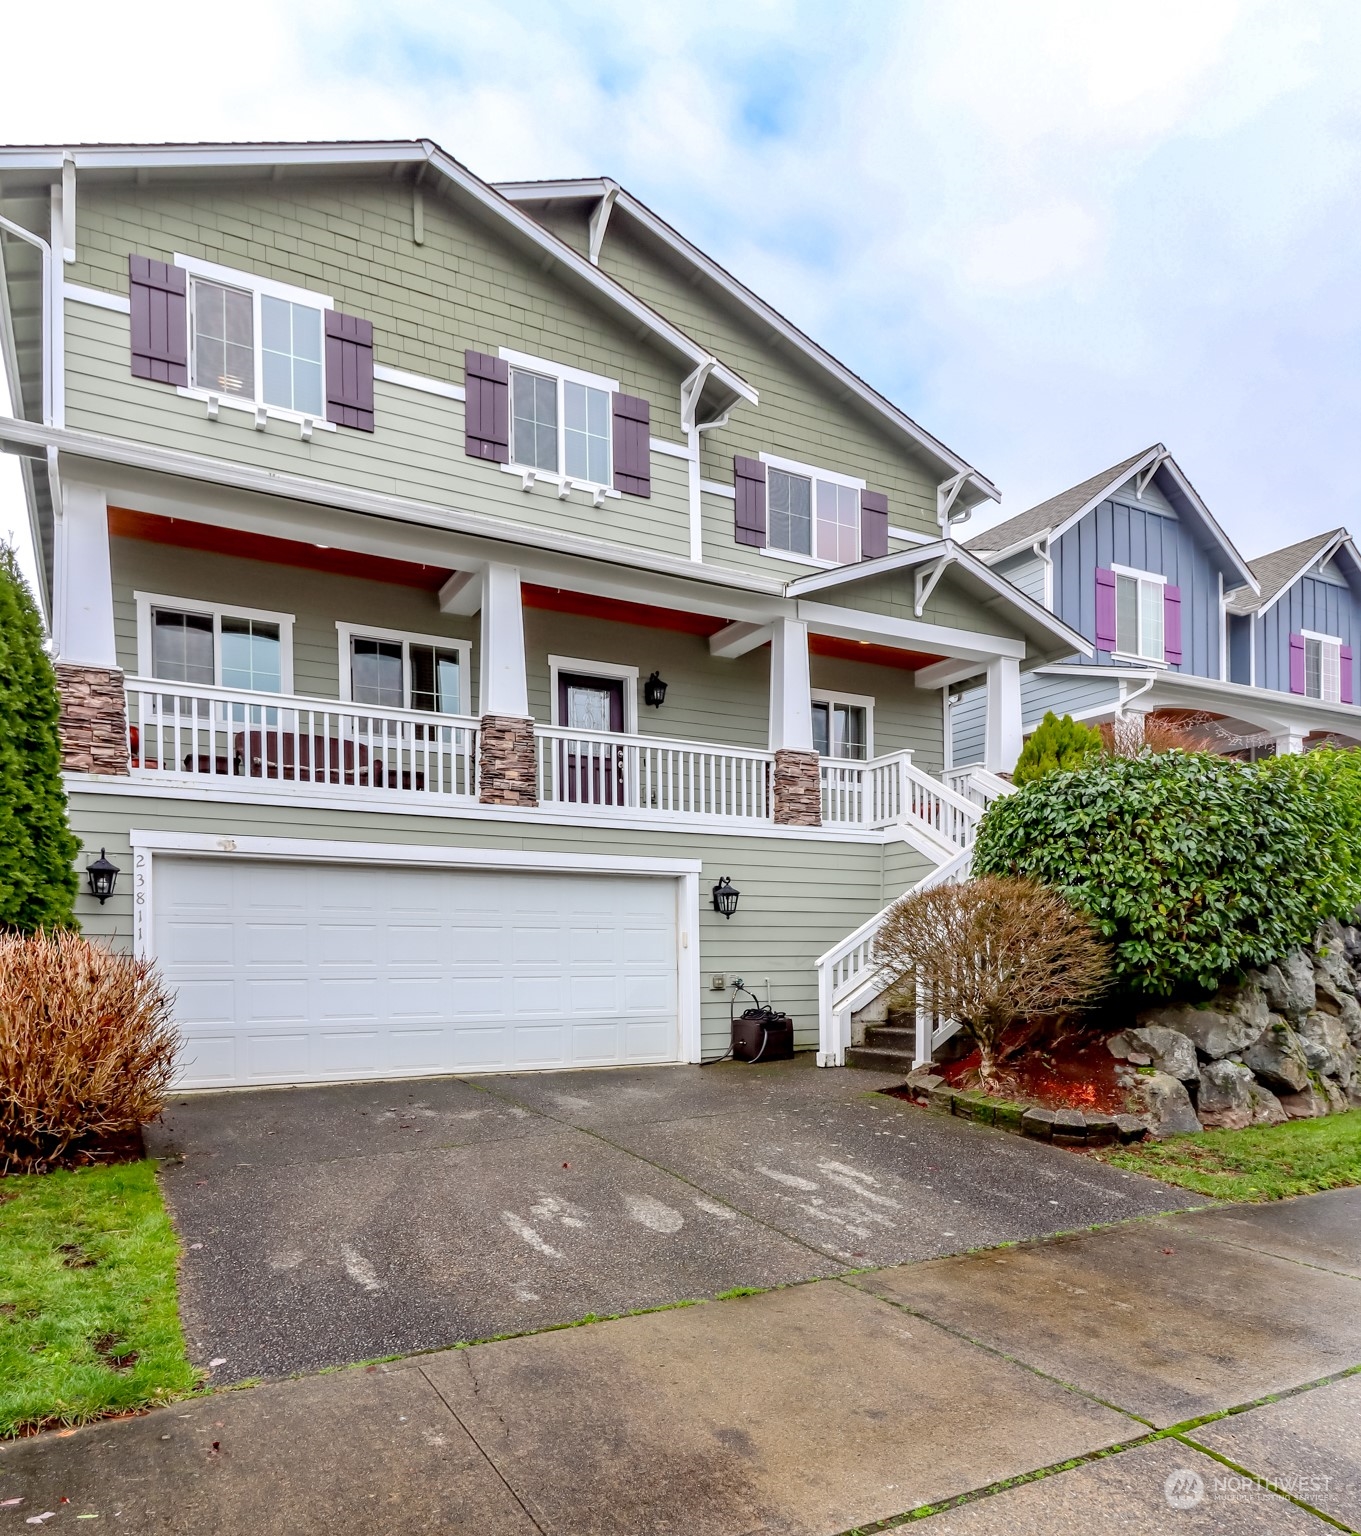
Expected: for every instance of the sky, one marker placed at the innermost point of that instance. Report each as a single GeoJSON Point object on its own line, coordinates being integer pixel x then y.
{"type": "Point", "coordinates": [1054, 232]}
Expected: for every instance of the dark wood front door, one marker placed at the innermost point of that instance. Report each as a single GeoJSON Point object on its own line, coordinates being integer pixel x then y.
{"type": "Point", "coordinates": [591, 772]}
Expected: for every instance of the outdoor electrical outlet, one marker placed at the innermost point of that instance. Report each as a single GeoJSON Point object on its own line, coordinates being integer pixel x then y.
{"type": "Point", "coordinates": [718, 983]}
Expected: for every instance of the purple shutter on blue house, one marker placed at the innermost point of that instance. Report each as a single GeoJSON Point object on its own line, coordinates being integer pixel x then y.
{"type": "Point", "coordinates": [486, 418]}
{"type": "Point", "coordinates": [1172, 625]}
{"type": "Point", "coordinates": [873, 524]}
{"type": "Point", "coordinates": [349, 371]}
{"type": "Point", "coordinates": [632, 446]}
{"type": "Point", "coordinates": [158, 302]}
{"type": "Point", "coordinates": [1297, 663]}
{"type": "Point", "coordinates": [1105, 610]}
{"type": "Point", "coordinates": [749, 481]}
{"type": "Point", "coordinates": [1348, 675]}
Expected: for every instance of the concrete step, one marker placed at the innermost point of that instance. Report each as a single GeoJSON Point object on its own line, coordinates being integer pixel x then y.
{"type": "Point", "coordinates": [877, 1060]}
{"type": "Point", "coordinates": [891, 1037]}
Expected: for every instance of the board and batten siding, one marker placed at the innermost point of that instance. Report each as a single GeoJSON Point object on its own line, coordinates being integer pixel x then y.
{"type": "Point", "coordinates": [1146, 536]}
{"type": "Point", "coordinates": [1324, 604]}
{"type": "Point", "coordinates": [799, 896]}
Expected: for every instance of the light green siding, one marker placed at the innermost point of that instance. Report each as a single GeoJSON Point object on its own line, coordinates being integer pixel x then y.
{"type": "Point", "coordinates": [949, 604]}
{"type": "Point", "coordinates": [799, 896]}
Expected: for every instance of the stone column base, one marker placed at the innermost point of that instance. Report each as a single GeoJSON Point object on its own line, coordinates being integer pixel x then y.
{"type": "Point", "coordinates": [797, 788]}
{"type": "Point", "coordinates": [94, 719]}
{"type": "Point", "coordinates": [506, 763]}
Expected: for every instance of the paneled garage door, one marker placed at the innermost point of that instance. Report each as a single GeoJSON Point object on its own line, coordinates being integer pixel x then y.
{"type": "Point", "coordinates": [295, 973]}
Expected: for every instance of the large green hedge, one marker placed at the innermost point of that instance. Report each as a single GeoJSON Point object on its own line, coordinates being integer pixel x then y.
{"type": "Point", "coordinates": [37, 849]}
{"type": "Point", "coordinates": [1194, 866]}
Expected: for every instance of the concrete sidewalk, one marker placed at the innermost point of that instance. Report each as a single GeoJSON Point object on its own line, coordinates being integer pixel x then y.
{"type": "Point", "coordinates": [817, 1408]}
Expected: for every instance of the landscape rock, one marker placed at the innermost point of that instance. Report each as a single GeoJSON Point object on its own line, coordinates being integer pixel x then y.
{"type": "Point", "coordinates": [1331, 958]}
{"type": "Point", "coordinates": [1327, 996]}
{"type": "Point", "coordinates": [1278, 1058]}
{"type": "Point", "coordinates": [1289, 986]}
{"type": "Point", "coordinates": [1070, 1127]}
{"type": "Point", "coordinates": [1338, 1102]}
{"type": "Point", "coordinates": [1350, 1015]}
{"type": "Point", "coordinates": [1167, 1106]}
{"type": "Point", "coordinates": [1038, 1123]}
{"type": "Point", "coordinates": [1267, 1109]}
{"type": "Point", "coordinates": [1101, 1129]}
{"type": "Point", "coordinates": [1225, 1100]}
{"type": "Point", "coordinates": [1351, 943]}
{"type": "Point", "coordinates": [1130, 1128]}
{"type": "Point", "coordinates": [1308, 1105]}
{"type": "Point", "coordinates": [1168, 1050]}
{"type": "Point", "coordinates": [1238, 1017]}
{"type": "Point", "coordinates": [1326, 1047]}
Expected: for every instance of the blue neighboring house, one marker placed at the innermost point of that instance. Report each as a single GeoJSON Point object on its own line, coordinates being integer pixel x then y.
{"type": "Point", "coordinates": [1255, 656]}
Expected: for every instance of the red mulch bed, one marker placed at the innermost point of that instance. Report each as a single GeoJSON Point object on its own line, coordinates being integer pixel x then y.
{"type": "Point", "coordinates": [1074, 1073]}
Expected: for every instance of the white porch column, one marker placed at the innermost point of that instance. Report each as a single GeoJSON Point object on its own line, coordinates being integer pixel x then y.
{"type": "Point", "coordinates": [1291, 742]}
{"type": "Point", "coordinates": [1003, 736]}
{"type": "Point", "coordinates": [82, 596]}
{"type": "Point", "coordinates": [502, 687]}
{"type": "Point", "coordinates": [791, 699]}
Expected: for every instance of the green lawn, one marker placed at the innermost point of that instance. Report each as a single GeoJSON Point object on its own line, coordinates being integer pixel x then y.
{"type": "Point", "coordinates": [88, 1316]}
{"type": "Point", "coordinates": [1267, 1162]}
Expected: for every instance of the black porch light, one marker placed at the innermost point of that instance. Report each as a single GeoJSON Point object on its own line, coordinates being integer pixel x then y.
{"type": "Point", "coordinates": [725, 897]}
{"type": "Point", "coordinates": [102, 873]}
{"type": "Point", "coordinates": [654, 691]}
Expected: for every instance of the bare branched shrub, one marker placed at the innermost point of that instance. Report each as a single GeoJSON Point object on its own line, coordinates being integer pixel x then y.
{"type": "Point", "coordinates": [1129, 735]}
{"type": "Point", "coordinates": [991, 953]}
{"type": "Point", "coordinates": [87, 1047]}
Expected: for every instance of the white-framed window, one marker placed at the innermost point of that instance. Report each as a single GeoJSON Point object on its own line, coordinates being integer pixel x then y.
{"type": "Point", "coordinates": [843, 725]}
{"type": "Point", "coordinates": [213, 645]}
{"type": "Point", "coordinates": [393, 669]}
{"type": "Point", "coordinates": [255, 343]}
{"type": "Point", "coordinates": [561, 422]}
{"type": "Point", "coordinates": [1322, 666]}
{"type": "Point", "coordinates": [811, 513]}
{"type": "Point", "coordinates": [571, 693]}
{"type": "Point", "coordinates": [1139, 599]}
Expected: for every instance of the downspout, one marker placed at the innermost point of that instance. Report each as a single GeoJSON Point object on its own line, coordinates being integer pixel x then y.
{"type": "Point", "coordinates": [1128, 698]}
{"type": "Point", "coordinates": [1040, 549]}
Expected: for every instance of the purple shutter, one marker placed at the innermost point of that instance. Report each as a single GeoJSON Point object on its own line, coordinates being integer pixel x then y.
{"type": "Point", "coordinates": [1348, 678]}
{"type": "Point", "coordinates": [349, 371]}
{"type": "Point", "coordinates": [1105, 610]}
{"type": "Point", "coordinates": [1172, 625]}
{"type": "Point", "coordinates": [873, 525]}
{"type": "Point", "coordinates": [632, 446]}
{"type": "Point", "coordinates": [1297, 663]}
{"type": "Point", "coordinates": [486, 421]}
{"type": "Point", "coordinates": [749, 481]}
{"type": "Point", "coordinates": [158, 298]}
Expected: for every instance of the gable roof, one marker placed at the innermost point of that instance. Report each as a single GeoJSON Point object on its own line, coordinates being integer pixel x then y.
{"type": "Point", "coordinates": [1053, 517]}
{"type": "Point", "coordinates": [978, 487]}
{"type": "Point", "coordinates": [1279, 570]}
{"type": "Point", "coordinates": [424, 163]}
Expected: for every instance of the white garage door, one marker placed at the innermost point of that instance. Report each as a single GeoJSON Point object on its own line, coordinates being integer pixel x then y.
{"type": "Point", "coordinates": [295, 973]}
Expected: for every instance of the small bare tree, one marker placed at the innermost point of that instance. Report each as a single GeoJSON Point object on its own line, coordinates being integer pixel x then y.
{"type": "Point", "coordinates": [990, 953]}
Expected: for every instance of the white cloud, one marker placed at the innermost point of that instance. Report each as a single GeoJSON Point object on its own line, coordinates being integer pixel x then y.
{"type": "Point", "coordinates": [1053, 232]}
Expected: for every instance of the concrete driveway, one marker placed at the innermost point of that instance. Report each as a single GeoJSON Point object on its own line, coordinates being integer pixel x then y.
{"type": "Point", "coordinates": [342, 1223]}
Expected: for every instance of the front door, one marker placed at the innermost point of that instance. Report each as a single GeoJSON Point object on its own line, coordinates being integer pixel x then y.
{"type": "Point", "coordinates": [591, 771]}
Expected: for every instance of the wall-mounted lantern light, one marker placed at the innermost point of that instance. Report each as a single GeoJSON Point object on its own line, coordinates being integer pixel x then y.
{"type": "Point", "coordinates": [102, 873]}
{"type": "Point", "coordinates": [725, 897]}
{"type": "Point", "coordinates": [654, 691]}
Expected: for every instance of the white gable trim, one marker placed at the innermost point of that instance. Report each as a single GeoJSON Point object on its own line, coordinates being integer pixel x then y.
{"type": "Point", "coordinates": [1340, 540]}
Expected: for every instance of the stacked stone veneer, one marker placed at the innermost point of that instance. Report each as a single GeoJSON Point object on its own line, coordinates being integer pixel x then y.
{"type": "Point", "coordinates": [796, 790]}
{"type": "Point", "coordinates": [506, 763]}
{"type": "Point", "coordinates": [94, 719]}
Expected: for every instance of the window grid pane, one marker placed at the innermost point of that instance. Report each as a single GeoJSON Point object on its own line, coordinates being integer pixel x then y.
{"type": "Point", "coordinates": [1127, 615]}
{"type": "Point", "coordinates": [251, 655]}
{"type": "Point", "coordinates": [434, 679]}
{"type": "Point", "coordinates": [291, 355]}
{"type": "Point", "coordinates": [1330, 668]}
{"type": "Point", "coordinates": [182, 647]}
{"type": "Point", "coordinates": [821, 732]}
{"type": "Point", "coordinates": [1151, 620]}
{"type": "Point", "coordinates": [1313, 668]}
{"type": "Point", "coordinates": [838, 522]}
{"type": "Point", "coordinates": [586, 424]}
{"type": "Point", "coordinates": [789, 499]}
{"type": "Point", "coordinates": [224, 339]}
{"type": "Point", "coordinates": [376, 672]}
{"type": "Point", "coordinates": [534, 421]}
{"type": "Point", "coordinates": [849, 737]}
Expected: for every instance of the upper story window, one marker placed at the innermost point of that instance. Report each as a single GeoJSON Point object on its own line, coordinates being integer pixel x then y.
{"type": "Point", "coordinates": [842, 725]}
{"type": "Point", "coordinates": [560, 420]}
{"type": "Point", "coordinates": [392, 670]}
{"type": "Point", "coordinates": [1322, 667]}
{"type": "Point", "coordinates": [212, 645]}
{"type": "Point", "coordinates": [255, 341]}
{"type": "Point", "coordinates": [812, 512]}
{"type": "Point", "coordinates": [1139, 611]}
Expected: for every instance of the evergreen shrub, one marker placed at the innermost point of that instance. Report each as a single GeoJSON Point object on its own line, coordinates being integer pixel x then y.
{"type": "Point", "coordinates": [1056, 744]}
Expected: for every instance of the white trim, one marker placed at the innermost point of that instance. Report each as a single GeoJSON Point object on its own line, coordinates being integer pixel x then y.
{"type": "Point", "coordinates": [234, 277]}
{"type": "Point", "coordinates": [566, 484]}
{"type": "Point", "coordinates": [613, 670]}
{"type": "Point", "coordinates": [863, 701]}
{"type": "Point", "coordinates": [559, 370]}
{"type": "Point", "coordinates": [909, 634]}
{"type": "Point", "coordinates": [1313, 634]}
{"type": "Point", "coordinates": [346, 631]}
{"type": "Point", "coordinates": [419, 382]}
{"type": "Point", "coordinates": [812, 471]}
{"type": "Point", "coordinates": [717, 488]}
{"type": "Point", "coordinates": [791, 558]}
{"type": "Point", "coordinates": [1140, 579]}
{"type": "Point", "coordinates": [146, 601]}
{"type": "Point", "coordinates": [97, 298]}
{"type": "Point", "coordinates": [1129, 570]}
{"type": "Point", "coordinates": [911, 536]}
{"type": "Point", "coordinates": [1140, 661]}
{"type": "Point", "coordinates": [812, 474]}
{"type": "Point", "coordinates": [672, 450]}
{"type": "Point", "coordinates": [146, 844]}
{"type": "Point", "coordinates": [562, 374]}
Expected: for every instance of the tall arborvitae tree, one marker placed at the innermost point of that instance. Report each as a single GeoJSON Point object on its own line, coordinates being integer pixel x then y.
{"type": "Point", "coordinates": [37, 848]}
{"type": "Point", "coordinates": [1056, 744]}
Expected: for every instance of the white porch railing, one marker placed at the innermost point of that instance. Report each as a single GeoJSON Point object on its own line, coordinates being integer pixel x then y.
{"type": "Point", "coordinates": [980, 786]}
{"type": "Point", "coordinates": [652, 773]}
{"type": "Point", "coordinates": [848, 979]}
{"type": "Point", "coordinates": [231, 736]}
{"type": "Point", "coordinates": [889, 791]}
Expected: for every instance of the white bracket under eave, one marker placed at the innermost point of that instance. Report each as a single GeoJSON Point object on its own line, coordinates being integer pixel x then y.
{"type": "Point", "coordinates": [305, 429]}
{"type": "Point", "coordinates": [564, 489]}
{"type": "Point", "coordinates": [692, 389]}
{"type": "Point", "coordinates": [1146, 475]}
{"type": "Point", "coordinates": [261, 418]}
{"type": "Point", "coordinates": [214, 407]}
{"type": "Point", "coordinates": [526, 479]}
{"type": "Point", "coordinates": [926, 582]}
{"type": "Point", "coordinates": [600, 220]}
{"type": "Point", "coordinates": [947, 493]}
